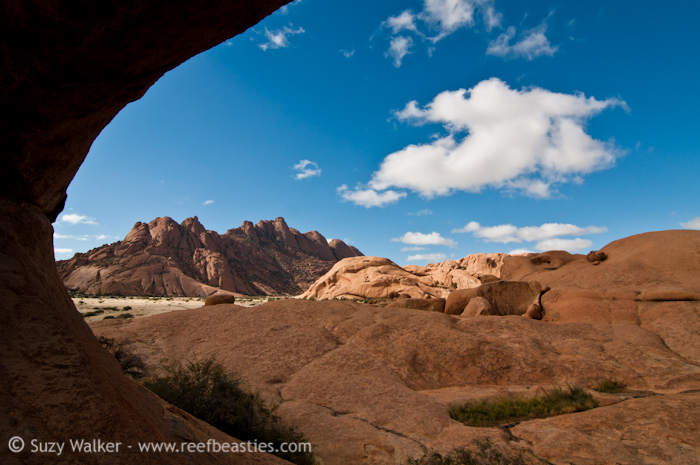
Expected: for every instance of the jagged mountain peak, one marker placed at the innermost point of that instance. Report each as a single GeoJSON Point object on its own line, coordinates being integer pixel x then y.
{"type": "Point", "coordinates": [163, 257]}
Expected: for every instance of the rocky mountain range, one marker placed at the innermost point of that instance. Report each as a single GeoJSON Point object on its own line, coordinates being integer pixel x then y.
{"type": "Point", "coordinates": [170, 259]}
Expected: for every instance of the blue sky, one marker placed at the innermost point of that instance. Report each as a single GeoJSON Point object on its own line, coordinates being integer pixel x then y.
{"type": "Point", "coordinates": [416, 130]}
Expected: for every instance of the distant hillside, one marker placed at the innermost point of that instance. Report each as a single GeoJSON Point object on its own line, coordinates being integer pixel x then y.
{"type": "Point", "coordinates": [170, 259]}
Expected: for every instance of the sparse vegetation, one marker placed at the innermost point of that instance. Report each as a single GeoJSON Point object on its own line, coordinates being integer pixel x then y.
{"type": "Point", "coordinates": [132, 364]}
{"type": "Point", "coordinates": [499, 411]}
{"type": "Point", "coordinates": [108, 317]}
{"type": "Point", "coordinates": [207, 391]}
{"type": "Point", "coordinates": [96, 312]}
{"type": "Point", "coordinates": [124, 316]}
{"type": "Point", "coordinates": [126, 308]}
{"type": "Point", "coordinates": [486, 454]}
{"type": "Point", "coordinates": [610, 386]}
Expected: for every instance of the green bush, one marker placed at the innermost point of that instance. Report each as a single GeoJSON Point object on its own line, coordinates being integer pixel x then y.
{"type": "Point", "coordinates": [109, 317]}
{"type": "Point", "coordinates": [486, 454]}
{"type": "Point", "coordinates": [499, 411]}
{"type": "Point", "coordinates": [207, 391]}
{"type": "Point", "coordinates": [132, 364]}
{"type": "Point", "coordinates": [126, 308]}
{"type": "Point", "coordinates": [610, 385]}
{"type": "Point", "coordinates": [125, 316]}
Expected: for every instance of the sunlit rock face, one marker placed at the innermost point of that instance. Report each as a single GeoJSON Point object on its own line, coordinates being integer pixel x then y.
{"type": "Point", "coordinates": [170, 259]}
{"type": "Point", "coordinates": [380, 278]}
{"type": "Point", "coordinates": [66, 69]}
{"type": "Point", "coordinates": [368, 384]}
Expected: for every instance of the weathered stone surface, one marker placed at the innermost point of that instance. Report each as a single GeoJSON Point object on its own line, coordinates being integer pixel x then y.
{"type": "Point", "coordinates": [372, 277]}
{"type": "Point", "coordinates": [67, 69]}
{"type": "Point", "coordinates": [519, 267]}
{"type": "Point", "coordinates": [504, 297]}
{"type": "Point", "coordinates": [373, 385]}
{"type": "Point", "coordinates": [595, 257]}
{"type": "Point", "coordinates": [477, 306]}
{"type": "Point", "coordinates": [431, 305]}
{"type": "Point", "coordinates": [219, 299]}
{"type": "Point", "coordinates": [379, 278]}
{"type": "Point", "coordinates": [57, 382]}
{"type": "Point", "coordinates": [170, 259]}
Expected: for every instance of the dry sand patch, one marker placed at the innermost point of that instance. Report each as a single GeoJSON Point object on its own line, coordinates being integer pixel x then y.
{"type": "Point", "coordinates": [140, 306]}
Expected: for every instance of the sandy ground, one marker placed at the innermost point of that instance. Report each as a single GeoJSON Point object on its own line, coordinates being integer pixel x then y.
{"type": "Point", "coordinates": [117, 306]}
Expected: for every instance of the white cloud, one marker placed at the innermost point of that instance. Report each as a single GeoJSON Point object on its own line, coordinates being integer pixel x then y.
{"type": "Point", "coordinates": [534, 43]}
{"type": "Point", "coordinates": [399, 48]}
{"type": "Point", "coordinates": [446, 16]}
{"type": "Point", "coordinates": [507, 233]}
{"type": "Point", "coordinates": [85, 237]}
{"type": "Point", "coordinates": [304, 171]}
{"type": "Point", "coordinates": [570, 245]}
{"type": "Point", "coordinates": [74, 218]}
{"type": "Point", "coordinates": [285, 9]}
{"type": "Point", "coordinates": [433, 257]}
{"type": "Point", "coordinates": [546, 236]}
{"type": "Point", "coordinates": [406, 20]}
{"type": "Point", "coordinates": [692, 224]}
{"type": "Point", "coordinates": [519, 251]}
{"type": "Point", "coordinates": [526, 140]}
{"type": "Point", "coordinates": [416, 238]}
{"type": "Point", "coordinates": [412, 249]}
{"type": "Point", "coordinates": [437, 20]}
{"type": "Point", "coordinates": [278, 37]}
{"type": "Point", "coordinates": [424, 212]}
{"type": "Point", "coordinates": [348, 54]}
{"type": "Point", "coordinates": [492, 18]}
{"type": "Point", "coordinates": [369, 197]}
{"type": "Point", "coordinates": [62, 251]}
{"type": "Point", "coordinates": [207, 202]}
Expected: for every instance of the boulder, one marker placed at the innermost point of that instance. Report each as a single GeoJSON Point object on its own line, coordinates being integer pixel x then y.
{"type": "Point", "coordinates": [519, 267]}
{"type": "Point", "coordinates": [377, 278]}
{"type": "Point", "coordinates": [596, 257]}
{"type": "Point", "coordinates": [372, 278]}
{"type": "Point", "coordinates": [477, 306]}
{"type": "Point", "coordinates": [503, 297]}
{"type": "Point", "coordinates": [218, 299]}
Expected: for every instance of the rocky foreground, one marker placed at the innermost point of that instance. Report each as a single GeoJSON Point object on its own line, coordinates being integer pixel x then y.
{"type": "Point", "coordinates": [164, 258]}
{"type": "Point", "coordinates": [368, 384]}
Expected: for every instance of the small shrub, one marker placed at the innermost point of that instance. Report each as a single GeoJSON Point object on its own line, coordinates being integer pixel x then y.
{"type": "Point", "coordinates": [610, 385]}
{"type": "Point", "coordinates": [126, 308]}
{"type": "Point", "coordinates": [207, 391]}
{"type": "Point", "coordinates": [486, 454]}
{"type": "Point", "coordinates": [109, 317]}
{"type": "Point", "coordinates": [114, 309]}
{"type": "Point", "coordinates": [499, 411]}
{"type": "Point", "coordinates": [131, 363]}
{"type": "Point", "coordinates": [125, 316]}
{"type": "Point", "coordinates": [96, 312]}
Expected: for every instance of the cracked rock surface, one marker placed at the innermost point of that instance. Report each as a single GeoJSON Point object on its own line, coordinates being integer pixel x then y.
{"type": "Point", "coordinates": [372, 385]}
